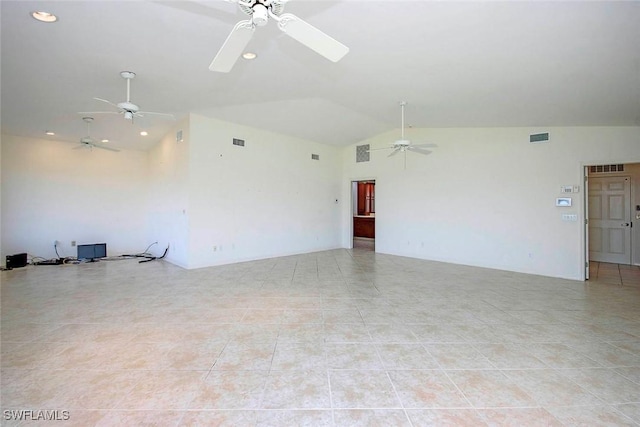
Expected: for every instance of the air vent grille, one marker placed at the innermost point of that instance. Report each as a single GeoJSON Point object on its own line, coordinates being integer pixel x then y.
{"type": "Point", "coordinates": [539, 137]}
{"type": "Point", "coordinates": [606, 168]}
{"type": "Point", "coordinates": [315, 157]}
{"type": "Point", "coordinates": [362, 153]}
{"type": "Point", "coordinates": [238, 142]}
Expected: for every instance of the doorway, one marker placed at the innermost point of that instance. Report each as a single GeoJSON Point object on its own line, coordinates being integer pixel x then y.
{"type": "Point", "coordinates": [611, 206]}
{"type": "Point", "coordinates": [363, 195]}
{"type": "Point", "coordinates": [610, 219]}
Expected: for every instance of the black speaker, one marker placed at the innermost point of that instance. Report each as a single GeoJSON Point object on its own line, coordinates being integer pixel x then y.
{"type": "Point", "coordinates": [15, 261]}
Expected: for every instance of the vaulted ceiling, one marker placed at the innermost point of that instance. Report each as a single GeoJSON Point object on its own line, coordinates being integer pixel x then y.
{"type": "Point", "coordinates": [458, 64]}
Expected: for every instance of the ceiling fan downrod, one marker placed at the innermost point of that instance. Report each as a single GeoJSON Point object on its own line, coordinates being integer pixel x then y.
{"type": "Point", "coordinates": [402, 105]}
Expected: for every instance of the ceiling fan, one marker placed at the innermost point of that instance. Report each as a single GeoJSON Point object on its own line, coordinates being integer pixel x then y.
{"type": "Point", "coordinates": [127, 108]}
{"type": "Point", "coordinates": [260, 11]}
{"type": "Point", "coordinates": [88, 142]}
{"type": "Point", "coordinates": [403, 145]}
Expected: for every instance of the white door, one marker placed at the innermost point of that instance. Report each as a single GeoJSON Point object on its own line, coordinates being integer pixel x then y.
{"type": "Point", "coordinates": [610, 219]}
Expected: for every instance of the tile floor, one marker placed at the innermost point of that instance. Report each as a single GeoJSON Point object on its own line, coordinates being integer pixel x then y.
{"type": "Point", "coordinates": [344, 338]}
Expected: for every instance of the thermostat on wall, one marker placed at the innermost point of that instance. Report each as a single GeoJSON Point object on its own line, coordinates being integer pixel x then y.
{"type": "Point", "coordinates": [563, 201]}
{"type": "Point", "coordinates": [570, 189]}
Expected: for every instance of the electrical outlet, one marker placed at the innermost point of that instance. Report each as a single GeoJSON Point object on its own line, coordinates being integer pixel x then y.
{"type": "Point", "coordinates": [73, 243]}
{"type": "Point", "coordinates": [215, 249]}
{"type": "Point", "coordinates": [56, 243]}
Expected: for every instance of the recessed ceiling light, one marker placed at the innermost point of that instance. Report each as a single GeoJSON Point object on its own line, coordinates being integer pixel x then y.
{"type": "Point", "coordinates": [50, 133]}
{"type": "Point", "coordinates": [44, 16]}
{"type": "Point", "coordinates": [144, 133]}
{"type": "Point", "coordinates": [104, 140]}
{"type": "Point", "coordinates": [249, 55]}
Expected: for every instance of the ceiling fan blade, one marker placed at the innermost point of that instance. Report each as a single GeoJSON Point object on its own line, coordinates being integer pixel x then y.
{"type": "Point", "coordinates": [99, 112]}
{"type": "Point", "coordinates": [394, 152]}
{"type": "Point", "coordinates": [419, 150]}
{"type": "Point", "coordinates": [142, 113]}
{"type": "Point", "coordinates": [89, 145]}
{"type": "Point", "coordinates": [378, 149]}
{"type": "Point", "coordinates": [233, 47]}
{"type": "Point", "coordinates": [312, 37]}
{"type": "Point", "coordinates": [104, 147]}
{"type": "Point", "coordinates": [106, 101]}
{"type": "Point", "coordinates": [424, 145]}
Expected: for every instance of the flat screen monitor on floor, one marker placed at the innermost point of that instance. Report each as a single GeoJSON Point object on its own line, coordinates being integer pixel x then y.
{"type": "Point", "coordinates": [100, 250]}
{"type": "Point", "coordinates": [92, 252]}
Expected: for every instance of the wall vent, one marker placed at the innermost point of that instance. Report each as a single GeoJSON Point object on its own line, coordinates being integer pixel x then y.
{"type": "Point", "coordinates": [315, 157]}
{"type": "Point", "coordinates": [537, 138]}
{"type": "Point", "coordinates": [606, 168]}
{"type": "Point", "coordinates": [362, 153]}
{"type": "Point", "coordinates": [238, 142]}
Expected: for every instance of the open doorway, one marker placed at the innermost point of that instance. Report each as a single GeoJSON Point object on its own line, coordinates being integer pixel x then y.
{"type": "Point", "coordinates": [612, 205]}
{"type": "Point", "coordinates": [364, 214]}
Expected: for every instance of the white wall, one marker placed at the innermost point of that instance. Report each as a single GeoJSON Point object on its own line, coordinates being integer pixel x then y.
{"type": "Point", "coordinates": [486, 197]}
{"type": "Point", "coordinates": [52, 192]}
{"type": "Point", "coordinates": [168, 214]}
{"type": "Point", "coordinates": [266, 199]}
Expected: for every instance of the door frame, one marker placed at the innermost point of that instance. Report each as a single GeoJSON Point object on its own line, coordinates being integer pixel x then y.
{"type": "Point", "coordinates": [585, 210]}
{"type": "Point", "coordinates": [585, 222]}
{"type": "Point", "coordinates": [353, 205]}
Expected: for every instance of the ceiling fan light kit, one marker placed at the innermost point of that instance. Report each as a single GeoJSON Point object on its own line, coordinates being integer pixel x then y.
{"type": "Point", "coordinates": [260, 15]}
{"type": "Point", "coordinates": [260, 11]}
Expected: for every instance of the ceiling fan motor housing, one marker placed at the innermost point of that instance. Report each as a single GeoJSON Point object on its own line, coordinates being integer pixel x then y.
{"type": "Point", "coordinates": [129, 109]}
{"type": "Point", "coordinates": [259, 10]}
{"type": "Point", "coordinates": [260, 15]}
{"type": "Point", "coordinates": [402, 143]}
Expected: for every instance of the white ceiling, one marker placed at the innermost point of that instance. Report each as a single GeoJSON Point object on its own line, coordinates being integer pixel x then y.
{"type": "Point", "coordinates": [458, 64]}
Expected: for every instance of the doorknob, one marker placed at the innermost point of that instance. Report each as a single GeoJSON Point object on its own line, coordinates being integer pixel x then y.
{"type": "Point", "coordinates": [626, 224]}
